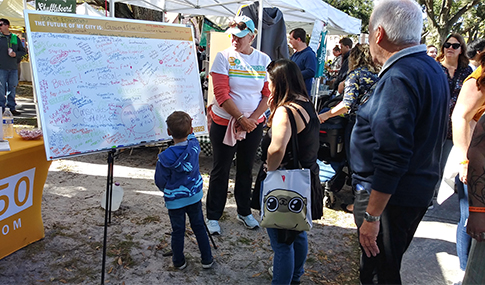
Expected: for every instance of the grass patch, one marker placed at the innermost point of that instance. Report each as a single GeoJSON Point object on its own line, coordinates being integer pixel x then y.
{"type": "Point", "coordinates": [34, 248]}
{"type": "Point", "coordinates": [146, 220]}
{"type": "Point", "coordinates": [121, 251]}
{"type": "Point", "coordinates": [244, 240]}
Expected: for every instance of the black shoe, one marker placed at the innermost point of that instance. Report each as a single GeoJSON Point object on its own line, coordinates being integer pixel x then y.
{"type": "Point", "coordinates": [15, 113]}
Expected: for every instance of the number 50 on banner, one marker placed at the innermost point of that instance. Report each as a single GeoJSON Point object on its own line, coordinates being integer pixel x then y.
{"type": "Point", "coordinates": [16, 193]}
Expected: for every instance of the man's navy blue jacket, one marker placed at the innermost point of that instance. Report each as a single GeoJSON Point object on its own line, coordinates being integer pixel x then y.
{"type": "Point", "coordinates": [307, 62]}
{"type": "Point", "coordinates": [397, 140]}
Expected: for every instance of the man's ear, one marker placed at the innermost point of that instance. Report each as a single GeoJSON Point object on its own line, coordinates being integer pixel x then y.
{"type": "Point", "coordinates": [191, 130]}
{"type": "Point", "coordinates": [380, 34]}
{"type": "Point", "coordinates": [169, 133]}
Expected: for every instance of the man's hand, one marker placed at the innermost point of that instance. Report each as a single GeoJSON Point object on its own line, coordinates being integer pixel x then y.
{"type": "Point", "coordinates": [368, 237]}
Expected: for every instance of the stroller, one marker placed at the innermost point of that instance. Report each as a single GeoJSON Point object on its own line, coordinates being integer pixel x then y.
{"type": "Point", "coordinates": [332, 159]}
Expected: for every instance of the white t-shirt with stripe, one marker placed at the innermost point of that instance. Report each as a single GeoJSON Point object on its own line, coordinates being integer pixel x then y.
{"type": "Point", "coordinates": [247, 75]}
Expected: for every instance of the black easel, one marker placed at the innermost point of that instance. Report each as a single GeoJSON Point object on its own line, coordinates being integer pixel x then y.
{"type": "Point", "coordinates": [107, 213]}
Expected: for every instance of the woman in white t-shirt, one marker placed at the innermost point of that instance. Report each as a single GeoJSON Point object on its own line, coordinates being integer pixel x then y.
{"type": "Point", "coordinates": [241, 95]}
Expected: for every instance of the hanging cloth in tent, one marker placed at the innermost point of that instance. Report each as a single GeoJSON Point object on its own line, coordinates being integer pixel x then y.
{"type": "Point", "coordinates": [208, 26]}
{"type": "Point", "coordinates": [273, 40]}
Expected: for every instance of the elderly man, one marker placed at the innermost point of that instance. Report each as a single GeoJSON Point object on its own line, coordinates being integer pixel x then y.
{"type": "Point", "coordinates": [396, 142]}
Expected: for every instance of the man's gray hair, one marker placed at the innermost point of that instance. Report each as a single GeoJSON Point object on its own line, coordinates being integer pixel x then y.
{"type": "Point", "coordinates": [401, 19]}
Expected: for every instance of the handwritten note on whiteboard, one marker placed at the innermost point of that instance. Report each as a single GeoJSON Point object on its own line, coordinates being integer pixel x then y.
{"type": "Point", "coordinates": [110, 83]}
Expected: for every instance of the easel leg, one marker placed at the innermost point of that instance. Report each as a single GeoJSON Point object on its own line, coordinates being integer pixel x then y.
{"type": "Point", "coordinates": [107, 213]}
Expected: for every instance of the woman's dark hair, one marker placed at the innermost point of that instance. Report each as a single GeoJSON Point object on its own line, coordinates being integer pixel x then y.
{"type": "Point", "coordinates": [481, 79]}
{"type": "Point", "coordinates": [462, 58]}
{"type": "Point", "coordinates": [287, 84]}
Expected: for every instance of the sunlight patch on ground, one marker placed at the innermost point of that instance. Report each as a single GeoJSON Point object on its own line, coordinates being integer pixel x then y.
{"type": "Point", "coordinates": [453, 274]}
{"type": "Point", "coordinates": [434, 230]}
{"type": "Point", "coordinates": [66, 191]}
{"type": "Point", "coordinates": [101, 169]}
{"type": "Point", "coordinates": [154, 193]}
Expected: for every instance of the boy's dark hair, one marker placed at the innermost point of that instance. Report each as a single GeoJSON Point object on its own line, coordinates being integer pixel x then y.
{"type": "Point", "coordinates": [346, 42]}
{"type": "Point", "coordinates": [179, 124]}
{"type": "Point", "coordinates": [5, 21]}
{"type": "Point", "coordinates": [299, 33]}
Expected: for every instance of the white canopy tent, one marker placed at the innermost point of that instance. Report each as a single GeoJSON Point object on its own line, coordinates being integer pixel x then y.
{"type": "Point", "coordinates": [302, 11]}
{"type": "Point", "coordinates": [86, 9]}
{"type": "Point", "coordinates": [306, 11]}
{"type": "Point", "coordinates": [13, 11]}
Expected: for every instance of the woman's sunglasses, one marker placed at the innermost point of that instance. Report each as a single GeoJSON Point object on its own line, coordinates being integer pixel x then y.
{"type": "Point", "coordinates": [454, 46]}
{"type": "Point", "coordinates": [241, 26]}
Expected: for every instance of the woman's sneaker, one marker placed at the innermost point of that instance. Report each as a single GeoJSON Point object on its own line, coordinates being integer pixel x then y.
{"type": "Point", "coordinates": [213, 227]}
{"type": "Point", "coordinates": [249, 221]}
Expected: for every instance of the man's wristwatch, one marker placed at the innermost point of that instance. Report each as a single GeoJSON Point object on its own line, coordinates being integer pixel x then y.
{"type": "Point", "coordinates": [370, 218]}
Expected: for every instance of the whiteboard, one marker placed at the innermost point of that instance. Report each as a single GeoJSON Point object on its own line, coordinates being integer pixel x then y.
{"type": "Point", "coordinates": [104, 83]}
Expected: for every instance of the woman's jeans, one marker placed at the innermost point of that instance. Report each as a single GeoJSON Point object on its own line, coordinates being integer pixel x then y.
{"type": "Point", "coordinates": [177, 219]}
{"type": "Point", "coordinates": [219, 178]}
{"type": "Point", "coordinates": [9, 80]}
{"type": "Point", "coordinates": [288, 260]}
{"type": "Point", "coordinates": [463, 240]}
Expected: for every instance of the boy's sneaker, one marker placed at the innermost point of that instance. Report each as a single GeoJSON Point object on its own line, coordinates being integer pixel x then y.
{"type": "Point", "coordinates": [181, 266]}
{"type": "Point", "coordinates": [208, 265]}
{"type": "Point", "coordinates": [249, 221]}
{"type": "Point", "coordinates": [213, 227]}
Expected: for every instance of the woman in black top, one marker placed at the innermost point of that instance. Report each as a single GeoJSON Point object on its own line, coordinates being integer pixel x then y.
{"type": "Point", "coordinates": [288, 90]}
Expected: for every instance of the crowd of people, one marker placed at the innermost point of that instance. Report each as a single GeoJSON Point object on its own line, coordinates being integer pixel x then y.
{"type": "Point", "coordinates": [407, 104]}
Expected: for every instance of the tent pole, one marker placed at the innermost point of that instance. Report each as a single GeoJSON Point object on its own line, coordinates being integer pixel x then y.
{"type": "Point", "coordinates": [260, 25]}
{"type": "Point", "coordinates": [25, 4]}
{"type": "Point", "coordinates": [112, 8]}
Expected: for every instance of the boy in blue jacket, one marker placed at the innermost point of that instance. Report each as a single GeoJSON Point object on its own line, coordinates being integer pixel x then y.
{"type": "Point", "coordinates": [177, 175]}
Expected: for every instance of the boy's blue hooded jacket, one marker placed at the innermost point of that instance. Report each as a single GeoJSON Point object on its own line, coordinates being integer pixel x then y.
{"type": "Point", "coordinates": [177, 174]}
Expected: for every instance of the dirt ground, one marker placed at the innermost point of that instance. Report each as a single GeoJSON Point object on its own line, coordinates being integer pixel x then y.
{"type": "Point", "coordinates": [139, 234]}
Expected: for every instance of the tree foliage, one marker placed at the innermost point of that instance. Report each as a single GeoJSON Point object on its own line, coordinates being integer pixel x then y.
{"type": "Point", "coordinates": [360, 9]}
{"type": "Point", "coordinates": [473, 24]}
{"type": "Point", "coordinates": [445, 16]}
{"type": "Point", "coordinates": [130, 11]}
